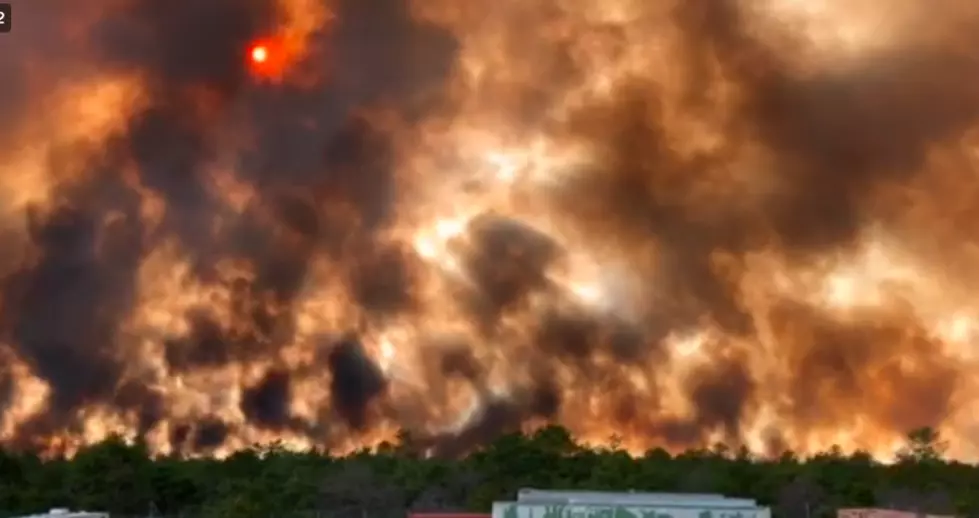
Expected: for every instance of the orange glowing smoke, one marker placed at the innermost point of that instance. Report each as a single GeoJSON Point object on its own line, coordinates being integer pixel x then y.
{"type": "Point", "coordinates": [676, 221]}
{"type": "Point", "coordinates": [300, 21]}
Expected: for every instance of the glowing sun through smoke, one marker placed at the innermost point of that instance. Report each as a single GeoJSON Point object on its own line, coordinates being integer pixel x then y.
{"type": "Point", "coordinates": [259, 54]}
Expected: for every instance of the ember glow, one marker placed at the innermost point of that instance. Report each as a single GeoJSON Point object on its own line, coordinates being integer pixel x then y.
{"type": "Point", "coordinates": [678, 222]}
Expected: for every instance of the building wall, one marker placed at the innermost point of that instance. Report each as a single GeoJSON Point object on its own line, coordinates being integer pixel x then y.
{"type": "Point", "coordinates": [685, 510]}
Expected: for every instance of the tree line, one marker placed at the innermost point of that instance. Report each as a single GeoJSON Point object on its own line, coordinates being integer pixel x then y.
{"type": "Point", "coordinates": [272, 482]}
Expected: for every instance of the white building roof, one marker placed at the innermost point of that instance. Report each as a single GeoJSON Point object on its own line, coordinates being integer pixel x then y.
{"type": "Point", "coordinates": [537, 496]}
{"type": "Point", "coordinates": [65, 513]}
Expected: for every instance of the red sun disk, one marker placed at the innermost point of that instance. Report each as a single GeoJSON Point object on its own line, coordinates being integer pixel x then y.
{"type": "Point", "coordinates": [265, 59]}
{"type": "Point", "coordinates": [259, 54]}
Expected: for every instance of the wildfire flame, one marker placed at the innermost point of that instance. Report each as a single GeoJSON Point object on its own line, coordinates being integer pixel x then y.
{"type": "Point", "coordinates": [677, 222]}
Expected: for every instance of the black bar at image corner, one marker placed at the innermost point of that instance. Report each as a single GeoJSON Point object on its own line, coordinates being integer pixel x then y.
{"type": "Point", "coordinates": [6, 18]}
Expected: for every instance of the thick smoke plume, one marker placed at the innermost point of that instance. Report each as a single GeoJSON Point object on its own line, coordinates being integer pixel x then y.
{"type": "Point", "coordinates": [675, 221]}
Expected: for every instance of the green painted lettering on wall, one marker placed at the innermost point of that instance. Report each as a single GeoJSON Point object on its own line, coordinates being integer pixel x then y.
{"type": "Point", "coordinates": [513, 510]}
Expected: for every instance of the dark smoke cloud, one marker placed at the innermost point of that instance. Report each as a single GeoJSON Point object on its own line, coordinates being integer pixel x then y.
{"type": "Point", "coordinates": [507, 261]}
{"type": "Point", "coordinates": [837, 136]}
{"type": "Point", "coordinates": [382, 280]}
{"type": "Point", "coordinates": [841, 132]}
{"type": "Point", "coordinates": [866, 362]}
{"type": "Point", "coordinates": [187, 43]}
{"type": "Point", "coordinates": [83, 282]}
{"type": "Point", "coordinates": [495, 417]}
{"type": "Point", "coordinates": [46, 34]}
{"type": "Point", "coordinates": [267, 403]}
{"type": "Point", "coordinates": [192, 53]}
{"type": "Point", "coordinates": [356, 381]}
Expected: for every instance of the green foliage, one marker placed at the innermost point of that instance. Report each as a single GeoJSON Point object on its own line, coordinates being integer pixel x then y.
{"type": "Point", "coordinates": [272, 482]}
{"type": "Point", "coordinates": [924, 446]}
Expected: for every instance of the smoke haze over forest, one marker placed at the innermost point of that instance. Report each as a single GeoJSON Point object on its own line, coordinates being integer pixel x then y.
{"type": "Point", "coordinates": [676, 221]}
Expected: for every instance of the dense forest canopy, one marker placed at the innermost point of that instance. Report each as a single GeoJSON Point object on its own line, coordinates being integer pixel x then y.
{"type": "Point", "coordinates": [270, 481]}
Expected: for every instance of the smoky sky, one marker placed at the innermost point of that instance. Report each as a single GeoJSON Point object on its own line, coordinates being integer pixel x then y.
{"type": "Point", "coordinates": [324, 177]}
{"type": "Point", "coordinates": [186, 48]}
